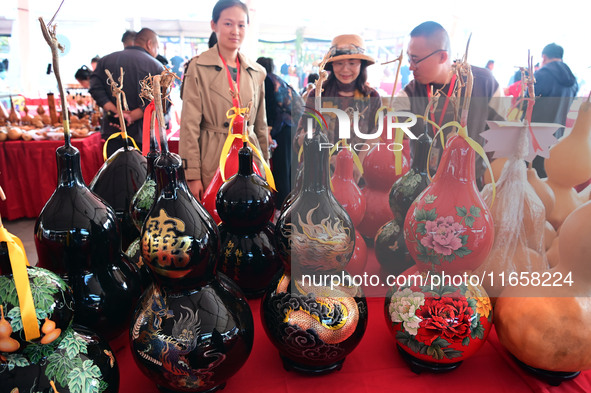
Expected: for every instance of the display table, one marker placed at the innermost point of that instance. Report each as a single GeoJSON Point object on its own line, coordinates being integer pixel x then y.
{"type": "Point", "coordinates": [28, 172]}
{"type": "Point", "coordinates": [374, 366]}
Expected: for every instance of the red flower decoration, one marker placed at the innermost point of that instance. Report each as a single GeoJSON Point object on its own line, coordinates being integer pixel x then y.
{"type": "Point", "coordinates": [445, 317]}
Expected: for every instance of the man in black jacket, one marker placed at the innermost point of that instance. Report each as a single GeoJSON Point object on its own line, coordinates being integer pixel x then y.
{"type": "Point", "coordinates": [138, 61]}
{"type": "Point", "coordinates": [555, 89]}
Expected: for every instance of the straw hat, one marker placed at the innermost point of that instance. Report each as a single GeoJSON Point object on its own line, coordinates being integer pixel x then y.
{"type": "Point", "coordinates": [349, 46]}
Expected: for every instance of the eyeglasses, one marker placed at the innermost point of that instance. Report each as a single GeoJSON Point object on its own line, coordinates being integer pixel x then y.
{"type": "Point", "coordinates": [414, 62]}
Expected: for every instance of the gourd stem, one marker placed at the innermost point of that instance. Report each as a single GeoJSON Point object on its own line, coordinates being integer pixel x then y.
{"type": "Point", "coordinates": [160, 113]}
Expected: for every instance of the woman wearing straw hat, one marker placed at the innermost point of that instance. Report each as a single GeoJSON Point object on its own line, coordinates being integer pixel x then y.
{"type": "Point", "coordinates": [346, 88]}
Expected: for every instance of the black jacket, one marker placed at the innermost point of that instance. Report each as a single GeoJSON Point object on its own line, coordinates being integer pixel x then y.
{"type": "Point", "coordinates": [555, 89]}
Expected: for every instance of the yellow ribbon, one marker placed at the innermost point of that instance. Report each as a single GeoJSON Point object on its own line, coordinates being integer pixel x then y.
{"type": "Point", "coordinates": [356, 159]}
{"type": "Point", "coordinates": [19, 263]}
{"type": "Point", "coordinates": [115, 135]}
{"type": "Point", "coordinates": [463, 133]}
{"type": "Point", "coordinates": [244, 138]}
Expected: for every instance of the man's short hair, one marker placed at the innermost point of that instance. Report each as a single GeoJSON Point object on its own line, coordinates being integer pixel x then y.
{"type": "Point", "coordinates": [144, 35]}
{"type": "Point", "coordinates": [553, 51]}
{"type": "Point", "coordinates": [430, 30]}
{"type": "Point", "coordinates": [128, 36]}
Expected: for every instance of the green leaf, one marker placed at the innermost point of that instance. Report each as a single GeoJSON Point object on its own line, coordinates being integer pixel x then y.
{"type": "Point", "coordinates": [451, 353]}
{"type": "Point", "coordinates": [16, 360]}
{"type": "Point", "coordinates": [103, 386]}
{"type": "Point", "coordinates": [461, 211]}
{"type": "Point", "coordinates": [449, 258]}
{"type": "Point", "coordinates": [447, 289]}
{"type": "Point", "coordinates": [462, 252]}
{"type": "Point", "coordinates": [420, 215]}
{"type": "Point", "coordinates": [36, 352]}
{"type": "Point", "coordinates": [421, 228]}
{"type": "Point", "coordinates": [15, 319]}
{"type": "Point", "coordinates": [475, 211]}
{"type": "Point", "coordinates": [59, 366]}
{"type": "Point", "coordinates": [464, 239]}
{"type": "Point", "coordinates": [8, 293]}
{"type": "Point", "coordinates": [431, 214]}
{"type": "Point", "coordinates": [84, 379]}
{"type": "Point", "coordinates": [466, 341]}
{"type": "Point", "coordinates": [43, 293]}
{"type": "Point", "coordinates": [478, 332]}
{"type": "Point", "coordinates": [470, 221]}
{"type": "Point", "coordinates": [72, 344]}
{"type": "Point", "coordinates": [440, 342]}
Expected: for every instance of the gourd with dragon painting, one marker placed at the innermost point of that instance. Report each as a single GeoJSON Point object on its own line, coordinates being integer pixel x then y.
{"type": "Point", "coordinates": [249, 252]}
{"type": "Point", "coordinates": [193, 328]}
{"type": "Point", "coordinates": [313, 327]}
{"type": "Point", "coordinates": [71, 358]}
{"type": "Point", "coordinates": [569, 166]}
{"type": "Point", "coordinates": [547, 327]}
{"type": "Point", "coordinates": [230, 169]}
{"type": "Point", "coordinates": [449, 227]}
{"type": "Point", "coordinates": [348, 194]}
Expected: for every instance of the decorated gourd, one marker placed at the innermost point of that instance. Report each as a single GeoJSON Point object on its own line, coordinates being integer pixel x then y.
{"type": "Point", "coordinates": [57, 354]}
{"type": "Point", "coordinates": [245, 206]}
{"type": "Point", "coordinates": [314, 326]}
{"type": "Point", "coordinates": [230, 167]}
{"type": "Point", "coordinates": [193, 328]}
{"type": "Point", "coordinates": [436, 329]}
{"type": "Point", "coordinates": [379, 172]}
{"type": "Point", "coordinates": [344, 187]}
{"type": "Point", "coordinates": [449, 226]}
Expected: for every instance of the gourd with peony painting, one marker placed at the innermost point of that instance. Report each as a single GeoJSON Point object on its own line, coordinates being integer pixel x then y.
{"type": "Point", "coordinates": [569, 166]}
{"type": "Point", "coordinates": [449, 227]}
{"type": "Point", "coordinates": [547, 328]}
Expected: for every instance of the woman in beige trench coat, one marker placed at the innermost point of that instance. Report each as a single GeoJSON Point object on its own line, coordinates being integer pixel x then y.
{"type": "Point", "coordinates": [206, 97]}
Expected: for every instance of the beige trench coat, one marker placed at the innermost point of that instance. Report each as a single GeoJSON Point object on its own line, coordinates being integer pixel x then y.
{"type": "Point", "coordinates": [206, 99]}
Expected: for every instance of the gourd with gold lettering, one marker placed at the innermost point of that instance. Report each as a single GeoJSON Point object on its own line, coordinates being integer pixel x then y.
{"type": "Point", "coordinates": [193, 328]}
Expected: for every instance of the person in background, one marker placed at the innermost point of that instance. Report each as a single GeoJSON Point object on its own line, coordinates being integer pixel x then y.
{"type": "Point", "coordinates": [83, 76]}
{"type": "Point", "coordinates": [128, 38]}
{"type": "Point", "coordinates": [346, 88]}
{"type": "Point", "coordinates": [429, 57]}
{"type": "Point", "coordinates": [490, 65]}
{"type": "Point", "coordinates": [94, 61]}
{"type": "Point", "coordinates": [283, 106]}
{"type": "Point", "coordinates": [555, 89]}
{"type": "Point", "coordinates": [137, 61]}
{"type": "Point", "coordinates": [206, 92]}
{"type": "Point", "coordinates": [310, 81]}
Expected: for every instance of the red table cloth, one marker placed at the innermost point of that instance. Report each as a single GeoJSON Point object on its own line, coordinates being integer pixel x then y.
{"type": "Point", "coordinates": [28, 172]}
{"type": "Point", "coordinates": [374, 366]}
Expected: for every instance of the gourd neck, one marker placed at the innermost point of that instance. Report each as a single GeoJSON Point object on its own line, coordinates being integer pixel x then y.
{"type": "Point", "coordinates": [458, 162]}
{"type": "Point", "coordinates": [169, 179]}
{"type": "Point", "coordinates": [245, 161]}
{"type": "Point", "coordinates": [421, 153]}
{"type": "Point", "coordinates": [69, 172]}
{"type": "Point", "coordinates": [316, 176]}
{"type": "Point", "coordinates": [344, 165]}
